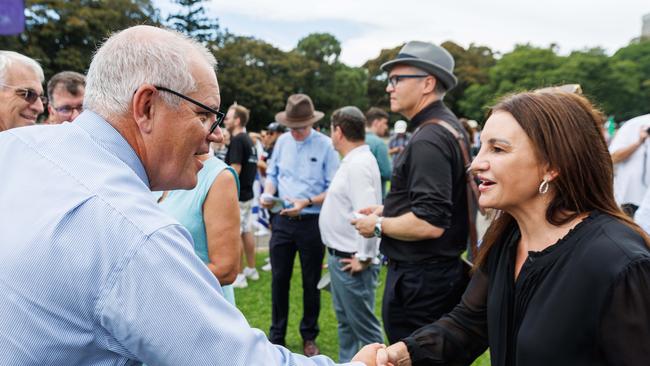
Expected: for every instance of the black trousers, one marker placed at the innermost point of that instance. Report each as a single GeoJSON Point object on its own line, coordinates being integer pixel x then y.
{"type": "Point", "coordinates": [288, 237]}
{"type": "Point", "coordinates": [419, 294]}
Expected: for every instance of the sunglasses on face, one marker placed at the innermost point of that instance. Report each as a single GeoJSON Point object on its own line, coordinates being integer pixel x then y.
{"type": "Point", "coordinates": [28, 94]}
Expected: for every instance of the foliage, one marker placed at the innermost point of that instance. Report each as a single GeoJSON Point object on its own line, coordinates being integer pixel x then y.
{"type": "Point", "coordinates": [194, 22]}
{"type": "Point", "coordinates": [259, 76]}
{"type": "Point", "coordinates": [63, 34]}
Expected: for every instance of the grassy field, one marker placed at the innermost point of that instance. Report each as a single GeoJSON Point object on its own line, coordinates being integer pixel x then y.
{"type": "Point", "coordinates": [255, 302]}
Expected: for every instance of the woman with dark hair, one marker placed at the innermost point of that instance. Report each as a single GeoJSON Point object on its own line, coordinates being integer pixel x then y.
{"type": "Point", "coordinates": [563, 276]}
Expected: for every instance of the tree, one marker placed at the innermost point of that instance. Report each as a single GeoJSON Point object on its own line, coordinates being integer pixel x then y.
{"type": "Point", "coordinates": [330, 83]}
{"type": "Point", "coordinates": [195, 23]}
{"type": "Point", "coordinates": [472, 66]}
{"type": "Point", "coordinates": [259, 76]}
{"type": "Point", "coordinates": [377, 79]}
{"type": "Point", "coordinates": [322, 48]}
{"type": "Point", "coordinates": [63, 34]}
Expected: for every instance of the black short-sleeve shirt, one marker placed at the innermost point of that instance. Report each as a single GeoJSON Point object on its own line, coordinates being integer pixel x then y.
{"type": "Point", "coordinates": [242, 151]}
{"type": "Point", "coordinates": [428, 179]}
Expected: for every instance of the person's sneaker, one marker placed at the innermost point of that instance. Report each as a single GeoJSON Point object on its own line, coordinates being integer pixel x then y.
{"type": "Point", "coordinates": [240, 281]}
{"type": "Point", "coordinates": [309, 348]}
{"type": "Point", "coordinates": [251, 273]}
{"type": "Point", "coordinates": [266, 267]}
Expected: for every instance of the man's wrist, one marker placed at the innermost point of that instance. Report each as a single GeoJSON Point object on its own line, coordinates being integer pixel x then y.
{"type": "Point", "coordinates": [378, 226]}
{"type": "Point", "coordinates": [309, 202]}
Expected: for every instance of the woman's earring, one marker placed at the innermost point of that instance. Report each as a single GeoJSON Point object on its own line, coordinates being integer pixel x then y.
{"type": "Point", "coordinates": [543, 188]}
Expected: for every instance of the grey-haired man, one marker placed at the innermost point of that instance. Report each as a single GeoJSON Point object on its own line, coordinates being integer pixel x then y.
{"type": "Point", "coordinates": [21, 90]}
{"type": "Point", "coordinates": [424, 221]}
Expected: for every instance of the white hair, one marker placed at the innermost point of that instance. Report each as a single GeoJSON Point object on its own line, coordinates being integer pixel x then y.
{"type": "Point", "coordinates": [139, 55]}
{"type": "Point", "coordinates": [7, 58]}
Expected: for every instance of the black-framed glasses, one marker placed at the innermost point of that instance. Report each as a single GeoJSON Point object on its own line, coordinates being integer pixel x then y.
{"type": "Point", "coordinates": [219, 115]}
{"type": "Point", "coordinates": [67, 110]}
{"type": "Point", "coordinates": [27, 94]}
{"type": "Point", "coordinates": [393, 80]}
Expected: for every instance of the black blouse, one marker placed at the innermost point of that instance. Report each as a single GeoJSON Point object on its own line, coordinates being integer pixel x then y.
{"type": "Point", "coordinates": [583, 301]}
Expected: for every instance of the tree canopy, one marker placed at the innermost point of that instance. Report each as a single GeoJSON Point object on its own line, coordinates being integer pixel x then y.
{"type": "Point", "coordinates": [63, 34]}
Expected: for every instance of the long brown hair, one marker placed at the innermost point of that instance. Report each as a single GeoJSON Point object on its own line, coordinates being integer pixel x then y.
{"type": "Point", "coordinates": [565, 132]}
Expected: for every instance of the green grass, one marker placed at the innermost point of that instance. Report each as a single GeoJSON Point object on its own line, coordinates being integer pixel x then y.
{"type": "Point", "coordinates": [255, 302]}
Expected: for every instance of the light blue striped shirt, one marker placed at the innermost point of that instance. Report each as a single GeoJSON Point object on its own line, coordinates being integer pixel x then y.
{"type": "Point", "coordinates": [92, 272]}
{"type": "Point", "coordinates": [303, 169]}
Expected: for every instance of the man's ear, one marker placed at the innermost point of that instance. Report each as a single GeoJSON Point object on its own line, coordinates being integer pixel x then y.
{"type": "Point", "coordinates": [429, 84]}
{"type": "Point", "coordinates": [143, 107]}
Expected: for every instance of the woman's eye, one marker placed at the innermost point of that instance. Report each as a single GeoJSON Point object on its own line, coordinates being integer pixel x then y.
{"type": "Point", "coordinates": [497, 149]}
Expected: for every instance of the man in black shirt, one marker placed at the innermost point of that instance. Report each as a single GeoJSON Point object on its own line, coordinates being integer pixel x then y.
{"type": "Point", "coordinates": [424, 221]}
{"type": "Point", "coordinates": [242, 156]}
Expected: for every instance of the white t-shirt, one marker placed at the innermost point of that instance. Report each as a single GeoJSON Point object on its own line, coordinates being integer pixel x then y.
{"type": "Point", "coordinates": [631, 178]}
{"type": "Point", "coordinates": [355, 185]}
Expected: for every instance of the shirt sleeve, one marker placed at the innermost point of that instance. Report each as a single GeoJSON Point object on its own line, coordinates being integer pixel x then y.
{"type": "Point", "coordinates": [459, 337]}
{"type": "Point", "coordinates": [362, 193]}
{"type": "Point", "coordinates": [625, 325]}
{"type": "Point", "coordinates": [165, 308]}
{"type": "Point", "coordinates": [430, 183]}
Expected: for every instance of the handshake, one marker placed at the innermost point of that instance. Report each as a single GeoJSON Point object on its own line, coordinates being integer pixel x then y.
{"type": "Point", "coordinates": [377, 354]}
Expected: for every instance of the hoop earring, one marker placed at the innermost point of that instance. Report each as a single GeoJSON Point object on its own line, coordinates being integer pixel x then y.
{"type": "Point", "coordinates": [543, 188]}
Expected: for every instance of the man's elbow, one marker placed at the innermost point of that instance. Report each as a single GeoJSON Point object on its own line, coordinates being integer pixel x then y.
{"type": "Point", "coordinates": [431, 232]}
{"type": "Point", "coordinates": [228, 275]}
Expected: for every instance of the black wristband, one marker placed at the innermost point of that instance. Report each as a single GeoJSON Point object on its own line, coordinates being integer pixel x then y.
{"type": "Point", "coordinates": [311, 203]}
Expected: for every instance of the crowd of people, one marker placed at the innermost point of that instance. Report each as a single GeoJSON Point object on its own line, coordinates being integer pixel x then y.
{"type": "Point", "coordinates": [127, 217]}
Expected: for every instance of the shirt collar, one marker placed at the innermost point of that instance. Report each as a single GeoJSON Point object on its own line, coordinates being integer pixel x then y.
{"type": "Point", "coordinates": [110, 139]}
{"type": "Point", "coordinates": [426, 113]}
{"type": "Point", "coordinates": [356, 150]}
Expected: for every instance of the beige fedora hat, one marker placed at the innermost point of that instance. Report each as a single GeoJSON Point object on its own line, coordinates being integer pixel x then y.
{"type": "Point", "coordinates": [299, 112]}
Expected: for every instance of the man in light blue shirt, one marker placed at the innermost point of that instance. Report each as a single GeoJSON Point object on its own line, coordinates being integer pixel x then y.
{"type": "Point", "coordinates": [300, 170]}
{"type": "Point", "coordinates": [93, 272]}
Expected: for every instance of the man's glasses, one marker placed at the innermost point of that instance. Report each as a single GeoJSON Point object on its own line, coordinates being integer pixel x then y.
{"type": "Point", "coordinates": [219, 115]}
{"type": "Point", "coordinates": [28, 94]}
{"type": "Point", "coordinates": [393, 80]}
{"type": "Point", "coordinates": [67, 110]}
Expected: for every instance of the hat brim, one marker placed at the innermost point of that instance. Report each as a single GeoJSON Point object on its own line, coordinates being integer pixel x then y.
{"type": "Point", "coordinates": [447, 79]}
{"type": "Point", "coordinates": [290, 123]}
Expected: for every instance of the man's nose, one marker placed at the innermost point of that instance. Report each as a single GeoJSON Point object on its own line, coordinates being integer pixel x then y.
{"type": "Point", "coordinates": [216, 136]}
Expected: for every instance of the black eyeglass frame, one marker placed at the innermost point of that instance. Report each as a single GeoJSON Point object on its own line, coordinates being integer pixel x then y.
{"type": "Point", "coordinates": [393, 80]}
{"type": "Point", "coordinates": [220, 115]}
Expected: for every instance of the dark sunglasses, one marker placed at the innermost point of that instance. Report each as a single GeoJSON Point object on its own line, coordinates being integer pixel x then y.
{"type": "Point", "coordinates": [219, 115]}
{"type": "Point", "coordinates": [28, 94]}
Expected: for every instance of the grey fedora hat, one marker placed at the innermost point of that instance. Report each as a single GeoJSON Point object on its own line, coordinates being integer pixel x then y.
{"type": "Point", "coordinates": [432, 59]}
{"type": "Point", "coordinates": [299, 112]}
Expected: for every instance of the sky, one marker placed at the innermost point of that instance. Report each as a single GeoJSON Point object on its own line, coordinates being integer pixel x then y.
{"type": "Point", "coordinates": [365, 27]}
